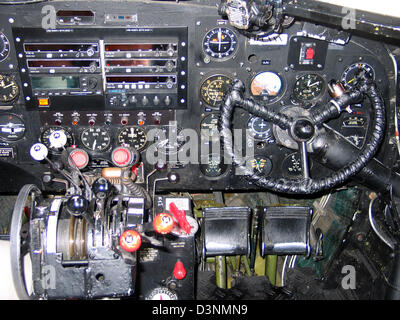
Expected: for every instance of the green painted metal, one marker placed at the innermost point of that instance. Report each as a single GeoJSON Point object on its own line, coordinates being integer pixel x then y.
{"type": "Point", "coordinates": [271, 263]}
{"type": "Point", "coordinates": [220, 271]}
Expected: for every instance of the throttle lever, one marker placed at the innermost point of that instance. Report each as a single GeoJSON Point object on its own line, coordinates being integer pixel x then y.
{"type": "Point", "coordinates": [180, 216]}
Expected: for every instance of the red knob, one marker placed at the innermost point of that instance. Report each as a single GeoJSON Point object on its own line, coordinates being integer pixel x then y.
{"type": "Point", "coordinates": [80, 158]}
{"type": "Point", "coordinates": [130, 241]}
{"type": "Point", "coordinates": [163, 223]}
{"type": "Point", "coordinates": [179, 271]}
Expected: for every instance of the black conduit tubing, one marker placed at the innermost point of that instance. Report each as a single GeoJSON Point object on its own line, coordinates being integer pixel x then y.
{"type": "Point", "coordinates": [234, 98]}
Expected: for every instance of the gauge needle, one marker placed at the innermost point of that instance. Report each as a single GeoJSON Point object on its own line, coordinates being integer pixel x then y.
{"type": "Point", "coordinates": [219, 40]}
{"type": "Point", "coordinates": [314, 84]}
{"type": "Point", "coordinates": [9, 85]}
{"type": "Point", "coordinates": [94, 144]}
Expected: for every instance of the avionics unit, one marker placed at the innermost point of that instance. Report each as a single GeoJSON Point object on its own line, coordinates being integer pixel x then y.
{"type": "Point", "coordinates": [106, 69]}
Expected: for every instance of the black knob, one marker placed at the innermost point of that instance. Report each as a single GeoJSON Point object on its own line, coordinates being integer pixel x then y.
{"type": "Point", "coordinates": [173, 177]}
{"type": "Point", "coordinates": [303, 129]}
{"type": "Point", "coordinates": [101, 188]}
{"type": "Point", "coordinates": [77, 205]}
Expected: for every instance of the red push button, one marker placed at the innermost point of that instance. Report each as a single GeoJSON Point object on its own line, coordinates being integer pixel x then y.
{"type": "Point", "coordinates": [121, 157]}
{"type": "Point", "coordinates": [80, 158]}
{"type": "Point", "coordinates": [179, 271]}
{"type": "Point", "coordinates": [130, 241]}
{"type": "Point", "coordinates": [310, 54]}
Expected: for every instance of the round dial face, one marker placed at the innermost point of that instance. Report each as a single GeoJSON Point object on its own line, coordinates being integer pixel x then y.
{"type": "Point", "coordinates": [261, 165]}
{"type": "Point", "coordinates": [4, 46]}
{"type": "Point", "coordinates": [209, 126]}
{"type": "Point", "coordinates": [12, 128]}
{"type": "Point", "coordinates": [268, 84]}
{"type": "Point", "coordinates": [308, 88]}
{"type": "Point", "coordinates": [291, 165]}
{"type": "Point", "coordinates": [8, 88]}
{"type": "Point", "coordinates": [220, 43]}
{"type": "Point", "coordinates": [162, 293]}
{"type": "Point", "coordinates": [45, 138]}
{"type": "Point", "coordinates": [213, 90]}
{"type": "Point", "coordinates": [95, 139]}
{"type": "Point", "coordinates": [213, 166]}
{"type": "Point", "coordinates": [169, 140]}
{"type": "Point", "coordinates": [349, 75]}
{"type": "Point", "coordinates": [135, 137]}
{"type": "Point", "coordinates": [260, 129]}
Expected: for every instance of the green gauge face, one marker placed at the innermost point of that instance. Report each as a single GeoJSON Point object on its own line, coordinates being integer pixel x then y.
{"type": "Point", "coordinates": [95, 139]}
{"type": "Point", "coordinates": [308, 88]}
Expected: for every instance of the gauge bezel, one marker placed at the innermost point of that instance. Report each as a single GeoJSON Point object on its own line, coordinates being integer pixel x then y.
{"type": "Point", "coordinates": [224, 58]}
{"type": "Point", "coordinates": [143, 147]}
{"type": "Point", "coordinates": [14, 80]}
{"type": "Point", "coordinates": [207, 77]}
{"type": "Point", "coordinates": [312, 101]}
{"type": "Point", "coordinates": [221, 176]}
{"type": "Point", "coordinates": [204, 134]}
{"type": "Point", "coordinates": [264, 98]}
{"type": "Point", "coordinates": [263, 157]}
{"type": "Point", "coordinates": [66, 129]}
{"type": "Point", "coordinates": [7, 47]}
{"type": "Point", "coordinates": [92, 128]}
{"type": "Point", "coordinates": [284, 172]}
{"type": "Point", "coordinates": [351, 67]}
{"type": "Point", "coordinates": [20, 118]}
{"type": "Point", "coordinates": [270, 137]}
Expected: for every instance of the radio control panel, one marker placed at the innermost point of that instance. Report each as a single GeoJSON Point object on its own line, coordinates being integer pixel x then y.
{"type": "Point", "coordinates": [113, 69]}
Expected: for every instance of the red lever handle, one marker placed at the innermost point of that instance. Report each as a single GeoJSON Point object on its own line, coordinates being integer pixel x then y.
{"type": "Point", "coordinates": [180, 216]}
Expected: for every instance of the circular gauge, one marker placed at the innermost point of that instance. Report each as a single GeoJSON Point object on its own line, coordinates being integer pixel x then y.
{"type": "Point", "coordinates": [162, 293]}
{"type": "Point", "coordinates": [260, 129]}
{"type": "Point", "coordinates": [8, 88]}
{"type": "Point", "coordinates": [213, 90]}
{"type": "Point", "coordinates": [220, 43]}
{"type": "Point", "coordinates": [291, 165]}
{"type": "Point", "coordinates": [45, 137]}
{"type": "Point", "coordinates": [169, 140]}
{"type": "Point", "coordinates": [209, 126]}
{"type": "Point", "coordinates": [267, 85]}
{"type": "Point", "coordinates": [12, 128]}
{"type": "Point", "coordinates": [349, 75]}
{"type": "Point", "coordinates": [95, 139]}
{"type": "Point", "coordinates": [135, 137]}
{"type": "Point", "coordinates": [308, 88]}
{"type": "Point", "coordinates": [4, 47]}
{"type": "Point", "coordinates": [261, 165]}
{"type": "Point", "coordinates": [213, 166]}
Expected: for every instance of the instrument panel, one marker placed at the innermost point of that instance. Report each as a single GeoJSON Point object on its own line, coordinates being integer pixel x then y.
{"type": "Point", "coordinates": [143, 84]}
